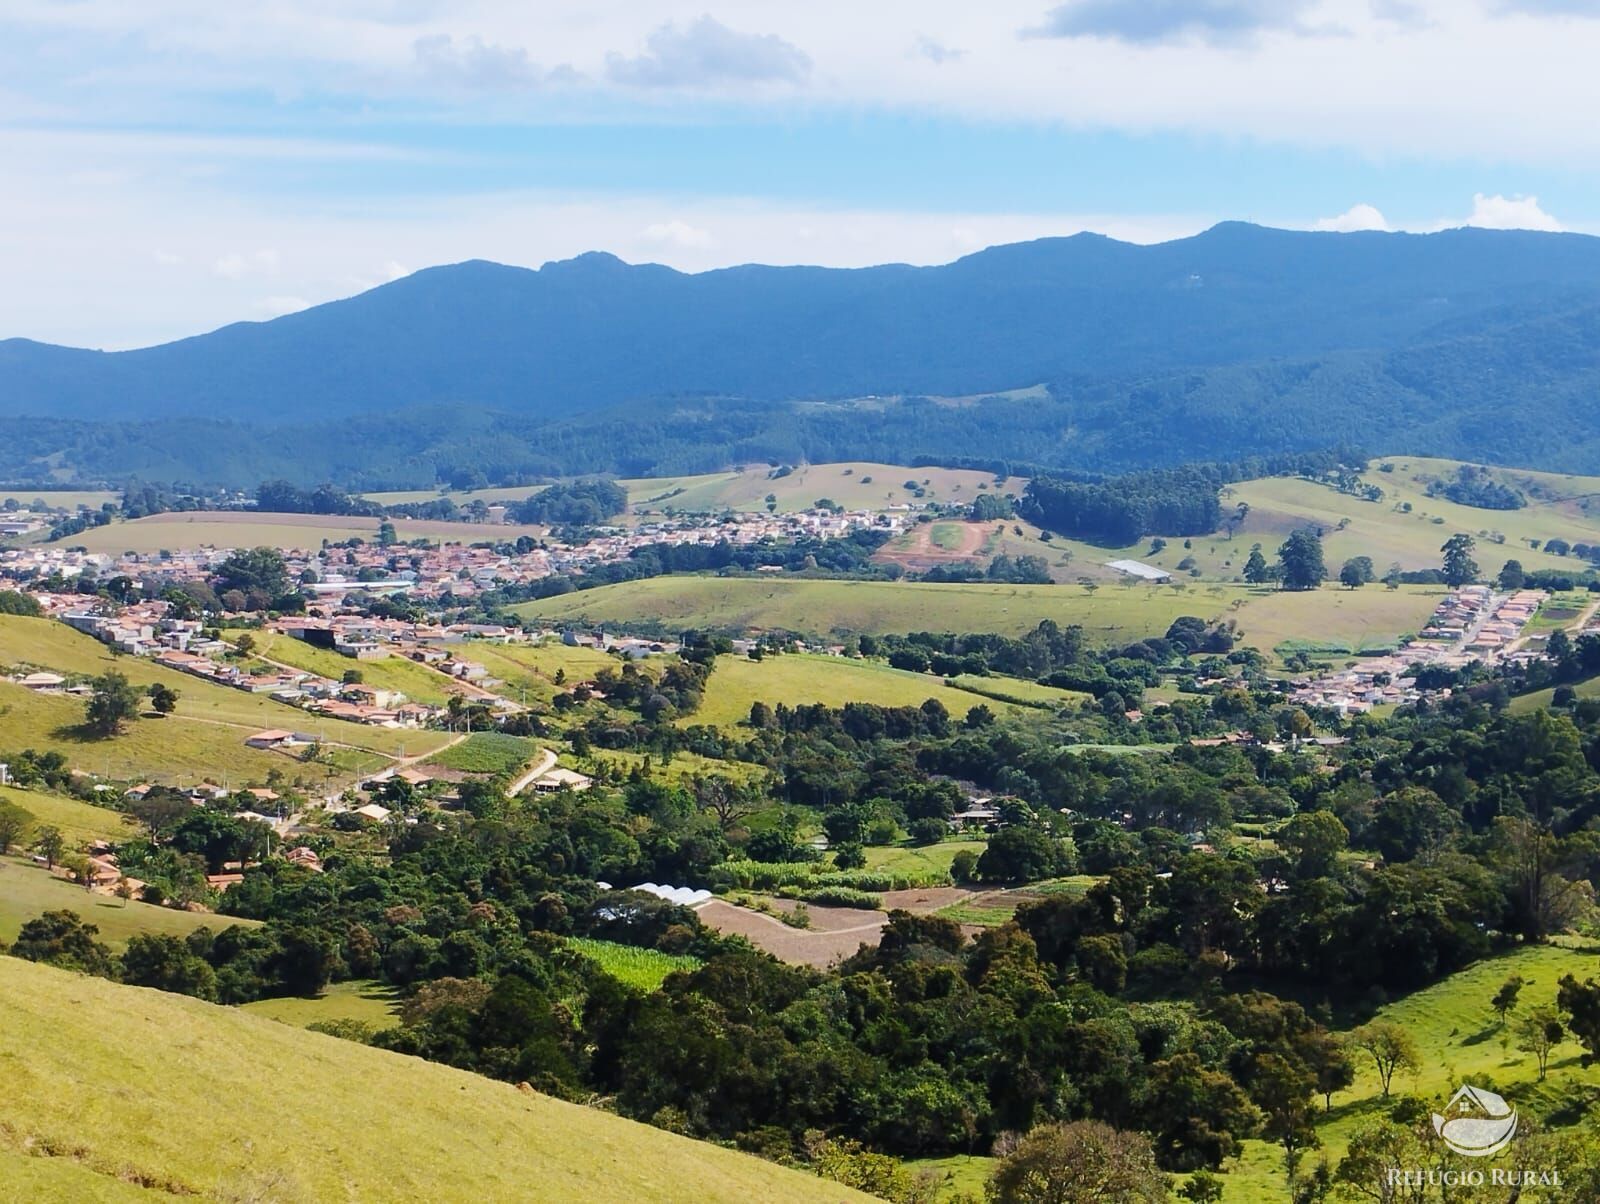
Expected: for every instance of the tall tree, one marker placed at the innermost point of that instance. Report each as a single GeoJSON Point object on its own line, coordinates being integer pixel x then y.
{"type": "Point", "coordinates": [1538, 1033]}
{"type": "Point", "coordinates": [1357, 571]}
{"type": "Point", "coordinates": [114, 702]}
{"type": "Point", "coordinates": [1255, 568]}
{"type": "Point", "coordinates": [1390, 1047]}
{"type": "Point", "coordinates": [1301, 559]}
{"type": "Point", "coordinates": [14, 823]}
{"type": "Point", "coordinates": [51, 844]}
{"type": "Point", "coordinates": [1085, 1162]}
{"type": "Point", "coordinates": [1459, 566]}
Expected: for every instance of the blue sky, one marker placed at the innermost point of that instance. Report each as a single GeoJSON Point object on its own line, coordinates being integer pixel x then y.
{"type": "Point", "coordinates": [174, 165]}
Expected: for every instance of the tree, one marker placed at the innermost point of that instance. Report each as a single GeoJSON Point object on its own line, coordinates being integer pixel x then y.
{"type": "Point", "coordinates": [114, 702]}
{"type": "Point", "coordinates": [1301, 559]}
{"type": "Point", "coordinates": [258, 570]}
{"type": "Point", "coordinates": [1581, 1003]}
{"type": "Point", "coordinates": [1375, 1150]}
{"type": "Point", "coordinates": [14, 823]}
{"type": "Point", "coordinates": [1538, 1033]}
{"type": "Point", "coordinates": [1459, 566]}
{"type": "Point", "coordinates": [1084, 1162]}
{"type": "Point", "coordinates": [159, 810]}
{"type": "Point", "coordinates": [1389, 1046]}
{"type": "Point", "coordinates": [1316, 838]}
{"type": "Point", "coordinates": [387, 537]}
{"type": "Point", "coordinates": [1357, 571]}
{"type": "Point", "coordinates": [1505, 999]}
{"type": "Point", "coordinates": [1330, 1065]}
{"type": "Point", "coordinates": [1282, 1089]}
{"type": "Point", "coordinates": [1511, 576]}
{"type": "Point", "coordinates": [1023, 854]}
{"type": "Point", "coordinates": [1255, 568]}
{"type": "Point", "coordinates": [51, 844]}
{"type": "Point", "coordinates": [61, 938]}
{"type": "Point", "coordinates": [1197, 1115]}
{"type": "Point", "coordinates": [166, 963]}
{"type": "Point", "coordinates": [245, 644]}
{"type": "Point", "coordinates": [163, 698]}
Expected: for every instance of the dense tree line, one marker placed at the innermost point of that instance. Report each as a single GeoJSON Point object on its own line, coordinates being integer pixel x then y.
{"type": "Point", "coordinates": [1117, 511]}
{"type": "Point", "coordinates": [581, 503]}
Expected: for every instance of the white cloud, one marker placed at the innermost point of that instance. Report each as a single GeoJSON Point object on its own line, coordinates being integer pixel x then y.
{"type": "Point", "coordinates": [472, 63]}
{"type": "Point", "coordinates": [1402, 77]}
{"type": "Point", "coordinates": [1156, 21]}
{"type": "Point", "coordinates": [1509, 213]}
{"type": "Point", "coordinates": [395, 271]}
{"type": "Point", "coordinates": [706, 53]}
{"type": "Point", "coordinates": [676, 234]}
{"type": "Point", "coordinates": [235, 264]}
{"type": "Point", "coordinates": [1357, 217]}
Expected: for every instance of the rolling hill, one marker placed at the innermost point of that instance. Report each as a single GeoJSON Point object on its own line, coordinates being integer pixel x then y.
{"type": "Point", "coordinates": [1239, 340]}
{"type": "Point", "coordinates": [112, 1089]}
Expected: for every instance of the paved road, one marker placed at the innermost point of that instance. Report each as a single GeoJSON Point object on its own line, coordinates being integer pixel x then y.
{"type": "Point", "coordinates": [546, 762]}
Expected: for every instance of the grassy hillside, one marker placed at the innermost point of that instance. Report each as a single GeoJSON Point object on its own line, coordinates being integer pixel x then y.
{"type": "Point", "coordinates": [363, 1001]}
{"type": "Point", "coordinates": [204, 737]}
{"type": "Point", "coordinates": [80, 823]}
{"type": "Point", "coordinates": [28, 890]}
{"type": "Point", "coordinates": [856, 485]}
{"type": "Point", "coordinates": [1108, 615]}
{"type": "Point", "coordinates": [196, 1100]}
{"type": "Point", "coordinates": [243, 529]}
{"type": "Point", "coordinates": [417, 682]}
{"type": "Point", "coordinates": [841, 607]}
{"type": "Point", "coordinates": [1459, 1038]}
{"type": "Point", "coordinates": [803, 679]}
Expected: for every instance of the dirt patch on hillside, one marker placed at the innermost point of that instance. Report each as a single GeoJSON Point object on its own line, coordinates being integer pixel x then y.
{"type": "Point", "coordinates": [917, 552]}
{"type": "Point", "coordinates": [831, 937]}
{"type": "Point", "coordinates": [835, 933]}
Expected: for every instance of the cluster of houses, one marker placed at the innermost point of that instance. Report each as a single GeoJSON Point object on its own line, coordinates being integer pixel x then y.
{"type": "Point", "coordinates": [1472, 623]}
{"type": "Point", "coordinates": [463, 570]}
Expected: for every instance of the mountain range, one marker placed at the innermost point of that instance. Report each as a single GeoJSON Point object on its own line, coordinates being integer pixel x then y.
{"type": "Point", "coordinates": [1241, 340]}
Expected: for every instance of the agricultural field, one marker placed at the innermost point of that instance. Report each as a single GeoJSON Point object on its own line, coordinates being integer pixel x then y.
{"type": "Point", "coordinates": [1368, 617]}
{"type": "Point", "coordinates": [841, 608]}
{"type": "Point", "coordinates": [645, 969]}
{"type": "Point", "coordinates": [487, 752]}
{"type": "Point", "coordinates": [912, 859]}
{"type": "Point", "coordinates": [208, 1075]}
{"type": "Point", "coordinates": [28, 890]}
{"type": "Point", "coordinates": [1336, 620]}
{"type": "Point", "coordinates": [417, 682]}
{"type": "Point", "coordinates": [855, 486]}
{"type": "Point", "coordinates": [1459, 1039]}
{"type": "Point", "coordinates": [247, 529]}
{"type": "Point", "coordinates": [360, 1000]}
{"type": "Point", "coordinates": [680, 767]}
{"type": "Point", "coordinates": [991, 908]}
{"type": "Point", "coordinates": [81, 823]}
{"type": "Point", "coordinates": [203, 737]}
{"type": "Point", "coordinates": [800, 678]}
{"type": "Point", "coordinates": [64, 499]}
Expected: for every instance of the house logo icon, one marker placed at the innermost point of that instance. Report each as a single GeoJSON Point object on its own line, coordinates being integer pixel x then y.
{"type": "Point", "coordinates": [1476, 1123]}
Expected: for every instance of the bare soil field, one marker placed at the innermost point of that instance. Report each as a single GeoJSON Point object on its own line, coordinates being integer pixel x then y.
{"type": "Point", "coordinates": [835, 932]}
{"type": "Point", "coordinates": [919, 550]}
